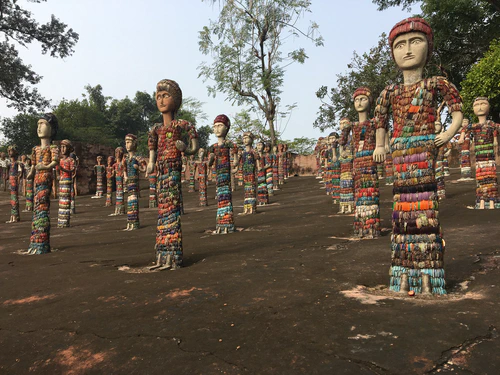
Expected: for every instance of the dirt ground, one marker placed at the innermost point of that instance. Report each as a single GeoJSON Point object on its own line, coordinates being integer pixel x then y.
{"type": "Point", "coordinates": [280, 296]}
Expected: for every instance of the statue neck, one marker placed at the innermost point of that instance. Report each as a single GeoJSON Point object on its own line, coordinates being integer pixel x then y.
{"type": "Point", "coordinates": [362, 116]}
{"type": "Point", "coordinates": [482, 119]}
{"type": "Point", "coordinates": [45, 142]}
{"type": "Point", "coordinates": [412, 76]}
{"type": "Point", "coordinates": [168, 117]}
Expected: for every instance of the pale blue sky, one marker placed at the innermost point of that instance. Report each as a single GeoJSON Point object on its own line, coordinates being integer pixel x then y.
{"type": "Point", "coordinates": [129, 45]}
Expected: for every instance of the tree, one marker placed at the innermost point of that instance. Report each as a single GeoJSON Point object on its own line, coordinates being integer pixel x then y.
{"type": "Point", "coordinates": [302, 145]}
{"type": "Point", "coordinates": [463, 30]}
{"type": "Point", "coordinates": [247, 43]}
{"type": "Point", "coordinates": [17, 78]}
{"type": "Point", "coordinates": [483, 80]}
{"type": "Point", "coordinates": [204, 135]}
{"type": "Point", "coordinates": [243, 122]}
{"type": "Point", "coordinates": [21, 131]}
{"type": "Point", "coordinates": [374, 70]}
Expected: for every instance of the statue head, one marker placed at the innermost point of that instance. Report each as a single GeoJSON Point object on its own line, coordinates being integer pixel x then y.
{"type": "Point", "coordinates": [23, 158]}
{"type": "Point", "coordinates": [201, 153]}
{"type": "Point", "coordinates": [168, 96]}
{"type": "Point", "coordinates": [119, 151]}
{"type": "Point", "coordinates": [344, 123]}
{"type": "Point", "coordinates": [131, 142]}
{"type": "Point", "coordinates": [47, 126]}
{"type": "Point", "coordinates": [248, 138]}
{"type": "Point", "coordinates": [260, 146]}
{"type": "Point", "coordinates": [28, 162]}
{"type": "Point", "coordinates": [411, 42]}
{"type": "Point", "coordinates": [465, 123]}
{"type": "Point", "coordinates": [267, 147]}
{"type": "Point", "coordinates": [66, 147]}
{"type": "Point", "coordinates": [275, 149]}
{"type": "Point", "coordinates": [12, 151]}
{"type": "Point", "coordinates": [362, 99]}
{"type": "Point", "coordinates": [332, 138]}
{"type": "Point", "coordinates": [99, 159]}
{"type": "Point", "coordinates": [111, 161]}
{"type": "Point", "coordinates": [221, 126]}
{"type": "Point", "coordinates": [481, 106]}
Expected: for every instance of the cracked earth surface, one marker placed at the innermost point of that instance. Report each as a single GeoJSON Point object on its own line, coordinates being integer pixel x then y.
{"type": "Point", "coordinates": [289, 293]}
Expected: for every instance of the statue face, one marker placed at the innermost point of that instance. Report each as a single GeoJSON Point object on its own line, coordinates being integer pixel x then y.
{"type": "Point", "coordinates": [130, 144]}
{"type": "Point", "coordinates": [361, 103]}
{"type": "Point", "coordinates": [165, 102]}
{"type": "Point", "coordinates": [481, 107]}
{"type": "Point", "coordinates": [275, 148]}
{"type": "Point", "coordinates": [201, 153]}
{"type": "Point", "coordinates": [118, 154]}
{"type": "Point", "coordinates": [23, 158]}
{"type": "Point", "coordinates": [260, 147]}
{"type": "Point", "coordinates": [267, 148]}
{"type": "Point", "coordinates": [247, 140]}
{"type": "Point", "coordinates": [220, 129]}
{"type": "Point", "coordinates": [99, 159]}
{"type": "Point", "coordinates": [44, 129]}
{"type": "Point", "coordinates": [465, 123]}
{"type": "Point", "coordinates": [64, 150]}
{"type": "Point", "coordinates": [410, 50]}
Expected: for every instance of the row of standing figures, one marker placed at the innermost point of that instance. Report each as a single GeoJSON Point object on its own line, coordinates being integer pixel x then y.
{"type": "Point", "coordinates": [260, 171]}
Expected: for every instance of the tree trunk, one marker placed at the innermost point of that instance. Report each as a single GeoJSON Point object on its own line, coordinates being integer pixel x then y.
{"type": "Point", "coordinates": [270, 123]}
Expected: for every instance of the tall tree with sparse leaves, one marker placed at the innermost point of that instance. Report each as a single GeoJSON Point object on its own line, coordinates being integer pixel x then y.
{"type": "Point", "coordinates": [19, 28]}
{"type": "Point", "coordinates": [249, 53]}
{"type": "Point", "coordinates": [374, 70]}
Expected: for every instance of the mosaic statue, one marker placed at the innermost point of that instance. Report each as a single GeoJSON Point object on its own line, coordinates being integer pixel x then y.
{"type": "Point", "coordinates": [22, 171]}
{"type": "Point", "coordinates": [275, 160]}
{"type": "Point", "coordinates": [280, 157]}
{"type": "Point", "coordinates": [4, 170]}
{"type": "Point", "coordinates": [74, 188]}
{"type": "Point", "coordinates": [131, 178]}
{"type": "Point", "coordinates": [286, 162]}
{"type": "Point", "coordinates": [153, 197]}
{"type": "Point", "coordinates": [346, 168]}
{"type": "Point", "coordinates": [110, 174]}
{"type": "Point", "coordinates": [249, 163]}
{"type": "Point", "coordinates": [66, 170]}
{"type": "Point", "coordinates": [269, 170]}
{"type": "Point", "coordinates": [366, 185]}
{"type": "Point", "coordinates": [99, 170]}
{"type": "Point", "coordinates": [333, 168]}
{"type": "Point", "coordinates": [15, 176]}
{"type": "Point", "coordinates": [191, 165]}
{"type": "Point", "coordinates": [220, 154]}
{"type": "Point", "coordinates": [165, 147]}
{"type": "Point", "coordinates": [239, 174]}
{"type": "Point", "coordinates": [44, 157]}
{"type": "Point", "coordinates": [464, 143]}
{"type": "Point", "coordinates": [389, 172]}
{"type": "Point", "coordinates": [485, 136]}
{"type": "Point", "coordinates": [119, 172]}
{"type": "Point", "coordinates": [201, 166]}
{"type": "Point", "coordinates": [417, 241]}
{"type": "Point", "coordinates": [29, 187]}
{"type": "Point", "coordinates": [262, 193]}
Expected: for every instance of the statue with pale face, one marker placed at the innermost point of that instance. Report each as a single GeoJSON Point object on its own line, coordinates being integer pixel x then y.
{"type": "Point", "coordinates": [417, 249]}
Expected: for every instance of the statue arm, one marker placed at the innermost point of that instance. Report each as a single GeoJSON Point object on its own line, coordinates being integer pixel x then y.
{"type": "Point", "coordinates": [456, 122]}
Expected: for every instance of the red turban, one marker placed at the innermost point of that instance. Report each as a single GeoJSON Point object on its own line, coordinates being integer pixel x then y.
{"type": "Point", "coordinates": [224, 119]}
{"type": "Point", "coordinates": [413, 24]}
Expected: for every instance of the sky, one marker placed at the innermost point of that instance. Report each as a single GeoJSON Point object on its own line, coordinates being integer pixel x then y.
{"type": "Point", "coordinates": [129, 45]}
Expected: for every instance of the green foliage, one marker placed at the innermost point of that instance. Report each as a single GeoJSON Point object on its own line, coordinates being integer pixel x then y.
{"type": "Point", "coordinates": [484, 80]}
{"type": "Point", "coordinates": [243, 122]}
{"type": "Point", "coordinates": [374, 70]}
{"type": "Point", "coordinates": [247, 45]}
{"type": "Point", "coordinates": [19, 28]}
{"type": "Point", "coordinates": [101, 120]}
{"type": "Point", "coordinates": [22, 131]}
{"type": "Point", "coordinates": [204, 135]}
{"type": "Point", "coordinates": [302, 145]}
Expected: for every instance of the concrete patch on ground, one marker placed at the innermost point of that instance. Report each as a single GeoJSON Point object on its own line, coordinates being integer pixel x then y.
{"type": "Point", "coordinates": [372, 296]}
{"type": "Point", "coordinates": [31, 299]}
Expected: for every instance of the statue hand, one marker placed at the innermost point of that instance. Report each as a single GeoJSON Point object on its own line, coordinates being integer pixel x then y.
{"type": "Point", "coordinates": [387, 149]}
{"type": "Point", "coordinates": [181, 146]}
{"type": "Point", "coordinates": [150, 167]}
{"type": "Point", "coordinates": [379, 154]}
{"type": "Point", "coordinates": [442, 138]}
